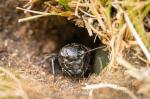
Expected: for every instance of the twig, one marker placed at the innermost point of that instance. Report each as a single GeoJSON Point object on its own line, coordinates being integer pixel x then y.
{"type": "Point", "coordinates": [113, 54]}
{"type": "Point", "coordinates": [40, 14]}
{"type": "Point", "coordinates": [144, 60]}
{"type": "Point", "coordinates": [86, 13]}
{"type": "Point", "coordinates": [87, 26]}
{"type": "Point", "coordinates": [113, 86]}
{"type": "Point", "coordinates": [77, 7]}
{"type": "Point", "coordinates": [137, 37]}
{"type": "Point", "coordinates": [140, 74]}
{"type": "Point", "coordinates": [32, 17]}
{"type": "Point", "coordinates": [96, 31]}
{"type": "Point", "coordinates": [95, 12]}
{"type": "Point", "coordinates": [120, 38]}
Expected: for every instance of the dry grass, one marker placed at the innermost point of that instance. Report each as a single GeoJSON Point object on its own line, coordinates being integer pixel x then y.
{"type": "Point", "coordinates": [10, 86]}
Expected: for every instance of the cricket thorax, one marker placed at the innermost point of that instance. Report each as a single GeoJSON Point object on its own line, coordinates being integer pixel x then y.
{"type": "Point", "coordinates": [73, 60]}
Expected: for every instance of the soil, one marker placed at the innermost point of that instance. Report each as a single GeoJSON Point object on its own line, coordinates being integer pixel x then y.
{"type": "Point", "coordinates": [24, 46]}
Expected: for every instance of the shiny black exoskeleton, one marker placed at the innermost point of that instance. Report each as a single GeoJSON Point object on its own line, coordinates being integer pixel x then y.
{"type": "Point", "coordinates": [73, 60]}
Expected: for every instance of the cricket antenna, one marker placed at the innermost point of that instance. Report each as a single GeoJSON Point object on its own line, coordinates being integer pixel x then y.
{"type": "Point", "coordinates": [93, 49]}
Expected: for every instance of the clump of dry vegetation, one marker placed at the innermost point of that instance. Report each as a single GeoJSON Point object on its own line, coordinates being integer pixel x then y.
{"type": "Point", "coordinates": [122, 25]}
{"type": "Point", "coordinates": [10, 86]}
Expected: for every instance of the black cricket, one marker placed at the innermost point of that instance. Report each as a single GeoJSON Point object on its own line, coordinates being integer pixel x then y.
{"type": "Point", "coordinates": [73, 59]}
